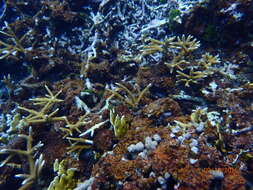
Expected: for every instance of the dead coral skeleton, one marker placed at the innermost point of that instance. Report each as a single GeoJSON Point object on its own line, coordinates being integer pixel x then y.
{"type": "Point", "coordinates": [35, 167]}
{"type": "Point", "coordinates": [93, 128]}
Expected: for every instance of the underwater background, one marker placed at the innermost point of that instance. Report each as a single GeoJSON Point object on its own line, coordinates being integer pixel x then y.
{"type": "Point", "coordinates": [126, 94]}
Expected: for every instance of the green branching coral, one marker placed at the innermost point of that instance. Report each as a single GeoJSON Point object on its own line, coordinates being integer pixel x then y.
{"type": "Point", "coordinates": [65, 179]}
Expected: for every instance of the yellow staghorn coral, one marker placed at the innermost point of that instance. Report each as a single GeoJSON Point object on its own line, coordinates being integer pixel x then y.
{"type": "Point", "coordinates": [44, 114]}
{"type": "Point", "coordinates": [35, 167]}
{"type": "Point", "coordinates": [186, 44]}
{"type": "Point", "coordinates": [176, 54]}
{"type": "Point", "coordinates": [71, 127]}
{"type": "Point", "coordinates": [157, 46]}
{"type": "Point", "coordinates": [132, 98]}
{"type": "Point", "coordinates": [192, 77]}
{"type": "Point", "coordinates": [208, 60]}
{"type": "Point", "coordinates": [15, 46]}
{"type": "Point", "coordinates": [78, 144]}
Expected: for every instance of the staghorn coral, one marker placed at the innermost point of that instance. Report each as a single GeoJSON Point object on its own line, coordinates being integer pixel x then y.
{"type": "Point", "coordinates": [10, 85]}
{"type": "Point", "coordinates": [70, 128]}
{"type": "Point", "coordinates": [192, 77]}
{"type": "Point", "coordinates": [132, 99]}
{"type": "Point", "coordinates": [207, 60]}
{"type": "Point", "coordinates": [9, 127]}
{"type": "Point", "coordinates": [35, 166]}
{"type": "Point", "coordinates": [44, 114]}
{"type": "Point", "coordinates": [14, 47]}
{"type": "Point", "coordinates": [177, 56]}
{"type": "Point", "coordinates": [155, 46]}
{"type": "Point", "coordinates": [186, 45]}
{"type": "Point", "coordinates": [78, 144]}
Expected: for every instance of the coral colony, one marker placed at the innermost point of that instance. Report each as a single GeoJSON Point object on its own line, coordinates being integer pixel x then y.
{"type": "Point", "coordinates": [126, 95]}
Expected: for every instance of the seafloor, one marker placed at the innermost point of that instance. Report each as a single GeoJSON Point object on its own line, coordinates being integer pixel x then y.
{"type": "Point", "coordinates": [126, 94]}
